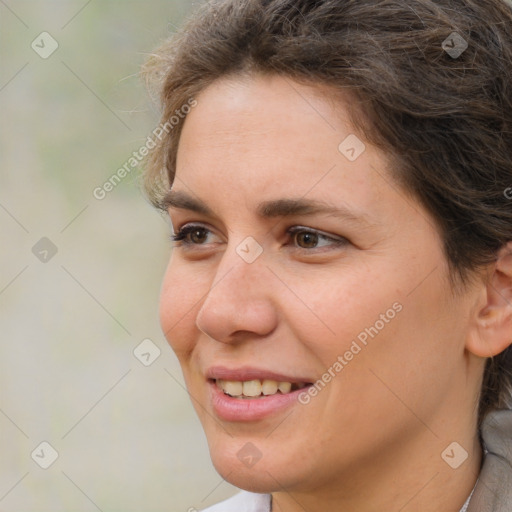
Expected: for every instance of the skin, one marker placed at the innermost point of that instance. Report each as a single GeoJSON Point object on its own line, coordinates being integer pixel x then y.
{"type": "Point", "coordinates": [372, 438]}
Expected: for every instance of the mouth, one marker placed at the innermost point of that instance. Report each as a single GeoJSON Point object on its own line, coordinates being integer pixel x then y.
{"type": "Point", "coordinates": [257, 388]}
{"type": "Point", "coordinates": [249, 394]}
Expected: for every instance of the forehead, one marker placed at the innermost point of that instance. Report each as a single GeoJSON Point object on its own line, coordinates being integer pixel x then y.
{"type": "Point", "coordinates": [259, 107]}
{"type": "Point", "coordinates": [265, 133]}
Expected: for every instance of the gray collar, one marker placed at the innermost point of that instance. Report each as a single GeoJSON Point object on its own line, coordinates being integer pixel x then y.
{"type": "Point", "coordinates": [493, 490]}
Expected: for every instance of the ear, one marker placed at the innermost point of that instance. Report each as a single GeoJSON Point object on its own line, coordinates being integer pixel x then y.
{"type": "Point", "coordinates": [491, 329]}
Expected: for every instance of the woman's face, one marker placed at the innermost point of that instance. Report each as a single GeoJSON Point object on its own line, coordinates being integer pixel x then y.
{"type": "Point", "coordinates": [306, 264]}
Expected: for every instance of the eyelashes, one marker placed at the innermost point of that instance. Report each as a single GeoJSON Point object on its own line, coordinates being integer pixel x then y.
{"type": "Point", "coordinates": [192, 235]}
{"type": "Point", "coordinates": [313, 237]}
{"type": "Point", "coordinates": [182, 233]}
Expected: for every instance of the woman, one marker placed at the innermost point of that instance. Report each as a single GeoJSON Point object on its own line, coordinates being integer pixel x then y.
{"type": "Point", "coordinates": [340, 291]}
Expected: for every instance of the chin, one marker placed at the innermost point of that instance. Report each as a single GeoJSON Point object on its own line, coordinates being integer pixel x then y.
{"type": "Point", "coordinates": [241, 464]}
{"type": "Point", "coordinates": [256, 479]}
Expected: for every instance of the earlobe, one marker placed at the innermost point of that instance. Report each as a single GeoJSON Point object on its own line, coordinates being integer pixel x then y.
{"type": "Point", "coordinates": [491, 326]}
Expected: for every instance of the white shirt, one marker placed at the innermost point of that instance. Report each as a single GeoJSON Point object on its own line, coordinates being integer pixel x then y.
{"type": "Point", "coordinates": [243, 502]}
{"type": "Point", "coordinates": [249, 502]}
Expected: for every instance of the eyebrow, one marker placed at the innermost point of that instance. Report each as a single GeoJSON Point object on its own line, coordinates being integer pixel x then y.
{"type": "Point", "coordinates": [285, 207]}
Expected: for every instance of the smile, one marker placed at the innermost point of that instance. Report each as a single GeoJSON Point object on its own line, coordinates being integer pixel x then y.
{"type": "Point", "coordinates": [251, 389]}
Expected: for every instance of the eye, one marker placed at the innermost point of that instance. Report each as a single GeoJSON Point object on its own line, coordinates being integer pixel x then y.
{"type": "Point", "coordinates": [191, 234]}
{"type": "Point", "coordinates": [302, 237]}
{"type": "Point", "coordinates": [307, 238]}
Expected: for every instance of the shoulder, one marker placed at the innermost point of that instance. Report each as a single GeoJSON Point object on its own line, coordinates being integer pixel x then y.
{"type": "Point", "coordinates": [243, 502]}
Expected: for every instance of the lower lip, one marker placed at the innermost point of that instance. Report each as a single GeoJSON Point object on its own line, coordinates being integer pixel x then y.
{"type": "Point", "coordinates": [249, 409]}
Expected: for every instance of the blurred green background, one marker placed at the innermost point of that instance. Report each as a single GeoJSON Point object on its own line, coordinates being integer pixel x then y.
{"type": "Point", "coordinates": [80, 277]}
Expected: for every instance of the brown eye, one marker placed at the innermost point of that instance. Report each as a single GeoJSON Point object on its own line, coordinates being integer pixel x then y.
{"type": "Point", "coordinates": [191, 235]}
{"type": "Point", "coordinates": [307, 239]}
{"type": "Point", "coordinates": [304, 238]}
{"type": "Point", "coordinates": [198, 235]}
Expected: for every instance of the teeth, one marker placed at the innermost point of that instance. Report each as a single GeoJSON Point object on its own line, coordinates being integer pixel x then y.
{"type": "Point", "coordinates": [255, 388]}
{"type": "Point", "coordinates": [284, 387]}
{"type": "Point", "coordinates": [231, 387]}
{"type": "Point", "coordinates": [269, 387]}
{"type": "Point", "coordinates": [252, 388]}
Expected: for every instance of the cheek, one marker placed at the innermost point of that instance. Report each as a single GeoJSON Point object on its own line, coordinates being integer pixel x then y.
{"type": "Point", "coordinates": [180, 298]}
{"type": "Point", "coordinates": [401, 357]}
{"type": "Point", "coordinates": [333, 312]}
{"type": "Point", "coordinates": [376, 325]}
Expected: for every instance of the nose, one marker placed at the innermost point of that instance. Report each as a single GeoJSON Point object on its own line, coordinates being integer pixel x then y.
{"type": "Point", "coordinates": [240, 302]}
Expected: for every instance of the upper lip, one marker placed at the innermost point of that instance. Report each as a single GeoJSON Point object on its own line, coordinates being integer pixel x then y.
{"type": "Point", "coordinates": [244, 373]}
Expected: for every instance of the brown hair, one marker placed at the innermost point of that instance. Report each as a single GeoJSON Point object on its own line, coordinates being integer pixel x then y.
{"type": "Point", "coordinates": [445, 119]}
